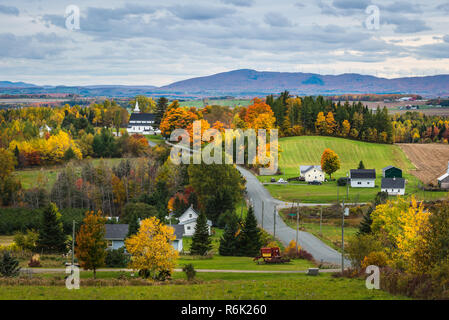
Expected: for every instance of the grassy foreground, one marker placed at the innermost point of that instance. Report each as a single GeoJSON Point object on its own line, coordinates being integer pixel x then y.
{"type": "Point", "coordinates": [291, 287]}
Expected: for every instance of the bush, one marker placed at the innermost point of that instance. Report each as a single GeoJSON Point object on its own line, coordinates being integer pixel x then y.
{"type": "Point", "coordinates": [26, 241]}
{"type": "Point", "coordinates": [360, 246]}
{"type": "Point", "coordinates": [190, 271]}
{"type": "Point", "coordinates": [291, 251]}
{"type": "Point", "coordinates": [9, 266]}
{"type": "Point", "coordinates": [375, 258]}
{"type": "Point", "coordinates": [343, 181]}
{"type": "Point", "coordinates": [116, 258]}
{"type": "Point", "coordinates": [303, 254]}
{"type": "Point", "coordinates": [34, 261]}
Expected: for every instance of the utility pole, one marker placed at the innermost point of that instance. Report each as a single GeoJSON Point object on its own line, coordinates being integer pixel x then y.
{"type": "Point", "coordinates": [73, 244]}
{"type": "Point", "coordinates": [297, 227]}
{"type": "Point", "coordinates": [321, 219]}
{"type": "Point", "coordinates": [347, 187]}
{"type": "Point", "coordinates": [262, 212]}
{"type": "Point", "coordinates": [343, 238]}
{"type": "Point", "coordinates": [274, 223]}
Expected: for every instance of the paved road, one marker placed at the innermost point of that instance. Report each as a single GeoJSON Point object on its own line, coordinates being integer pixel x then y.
{"type": "Point", "coordinates": [258, 194]}
{"type": "Point", "coordinates": [60, 270]}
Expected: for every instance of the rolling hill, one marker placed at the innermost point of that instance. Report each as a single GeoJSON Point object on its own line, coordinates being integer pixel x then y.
{"type": "Point", "coordinates": [246, 82]}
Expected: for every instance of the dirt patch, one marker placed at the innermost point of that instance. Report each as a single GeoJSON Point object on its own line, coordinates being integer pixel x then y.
{"type": "Point", "coordinates": [430, 160]}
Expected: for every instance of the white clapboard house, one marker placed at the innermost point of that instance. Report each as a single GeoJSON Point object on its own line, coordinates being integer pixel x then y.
{"type": "Point", "coordinates": [312, 173]}
{"type": "Point", "coordinates": [363, 178]}
{"type": "Point", "coordinates": [143, 123]}
{"type": "Point", "coordinates": [393, 186]}
{"type": "Point", "coordinates": [188, 220]}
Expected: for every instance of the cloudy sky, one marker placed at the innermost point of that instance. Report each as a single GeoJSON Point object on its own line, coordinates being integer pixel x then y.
{"type": "Point", "coordinates": [160, 41]}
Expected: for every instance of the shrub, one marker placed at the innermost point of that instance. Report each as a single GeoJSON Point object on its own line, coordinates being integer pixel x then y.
{"type": "Point", "coordinates": [291, 251]}
{"type": "Point", "coordinates": [360, 246]}
{"type": "Point", "coordinates": [26, 241]}
{"type": "Point", "coordinates": [376, 258]}
{"type": "Point", "coordinates": [116, 258]}
{"type": "Point", "coordinates": [34, 261]}
{"type": "Point", "coordinates": [343, 181]}
{"type": "Point", "coordinates": [9, 266]}
{"type": "Point", "coordinates": [190, 271]}
{"type": "Point", "coordinates": [303, 254]}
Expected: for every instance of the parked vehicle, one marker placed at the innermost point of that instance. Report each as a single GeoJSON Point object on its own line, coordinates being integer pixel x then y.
{"type": "Point", "coordinates": [282, 181]}
{"type": "Point", "coordinates": [315, 182]}
{"type": "Point", "coordinates": [273, 180]}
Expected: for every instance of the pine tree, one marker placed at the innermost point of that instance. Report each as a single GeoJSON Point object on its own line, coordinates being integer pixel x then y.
{"type": "Point", "coordinates": [133, 226]}
{"type": "Point", "coordinates": [51, 234]}
{"type": "Point", "coordinates": [229, 240]}
{"type": "Point", "coordinates": [361, 165]}
{"type": "Point", "coordinates": [365, 224]}
{"type": "Point", "coordinates": [9, 266]}
{"type": "Point", "coordinates": [201, 242]}
{"type": "Point", "coordinates": [161, 107]}
{"type": "Point", "coordinates": [250, 241]}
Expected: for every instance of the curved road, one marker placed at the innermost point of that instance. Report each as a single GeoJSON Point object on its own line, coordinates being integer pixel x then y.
{"type": "Point", "coordinates": [258, 194]}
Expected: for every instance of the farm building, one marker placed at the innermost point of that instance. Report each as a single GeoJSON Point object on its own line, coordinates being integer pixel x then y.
{"type": "Point", "coordinates": [188, 220]}
{"type": "Point", "coordinates": [362, 178]}
{"type": "Point", "coordinates": [312, 173]}
{"type": "Point", "coordinates": [391, 172]}
{"type": "Point", "coordinates": [143, 123]}
{"type": "Point", "coordinates": [393, 186]}
{"type": "Point", "coordinates": [116, 234]}
{"type": "Point", "coordinates": [443, 181]}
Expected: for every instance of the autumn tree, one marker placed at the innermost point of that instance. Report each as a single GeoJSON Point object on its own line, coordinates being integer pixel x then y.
{"type": "Point", "coordinates": [51, 234]}
{"type": "Point", "coordinates": [259, 115]}
{"type": "Point", "coordinates": [151, 250]}
{"type": "Point", "coordinates": [90, 242]}
{"type": "Point", "coordinates": [331, 124]}
{"type": "Point", "coordinates": [330, 162]}
{"type": "Point", "coordinates": [201, 241]}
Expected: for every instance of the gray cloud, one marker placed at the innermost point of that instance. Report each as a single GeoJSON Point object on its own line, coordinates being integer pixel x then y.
{"type": "Point", "coordinates": [37, 46]}
{"type": "Point", "coordinates": [276, 19]}
{"type": "Point", "coordinates": [9, 10]}
{"type": "Point", "coordinates": [405, 25]}
{"type": "Point", "coordinates": [200, 12]}
{"type": "Point", "coordinates": [239, 3]}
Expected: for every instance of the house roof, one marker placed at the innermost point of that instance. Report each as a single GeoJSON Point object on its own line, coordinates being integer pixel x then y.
{"type": "Point", "coordinates": [116, 231]}
{"type": "Point", "coordinates": [142, 117]}
{"type": "Point", "coordinates": [179, 231]}
{"type": "Point", "coordinates": [362, 174]}
{"type": "Point", "coordinates": [390, 167]}
{"type": "Point", "coordinates": [305, 169]}
{"type": "Point", "coordinates": [393, 183]}
{"type": "Point", "coordinates": [443, 177]}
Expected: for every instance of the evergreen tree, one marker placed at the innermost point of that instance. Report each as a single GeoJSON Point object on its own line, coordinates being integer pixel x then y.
{"type": "Point", "coordinates": [9, 266]}
{"type": "Point", "coordinates": [361, 165]}
{"type": "Point", "coordinates": [201, 242]}
{"type": "Point", "coordinates": [161, 107]}
{"type": "Point", "coordinates": [365, 224]}
{"type": "Point", "coordinates": [250, 239]}
{"type": "Point", "coordinates": [133, 226]}
{"type": "Point", "coordinates": [51, 234]}
{"type": "Point", "coordinates": [229, 240]}
{"type": "Point", "coordinates": [69, 154]}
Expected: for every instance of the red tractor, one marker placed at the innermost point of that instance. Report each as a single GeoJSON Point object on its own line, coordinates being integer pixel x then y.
{"type": "Point", "coordinates": [271, 255]}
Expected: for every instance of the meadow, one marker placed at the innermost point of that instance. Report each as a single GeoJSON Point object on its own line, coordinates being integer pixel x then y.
{"type": "Point", "coordinates": [307, 150]}
{"type": "Point", "coordinates": [211, 286]}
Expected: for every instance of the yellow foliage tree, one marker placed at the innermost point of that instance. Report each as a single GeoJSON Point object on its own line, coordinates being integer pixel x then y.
{"type": "Point", "coordinates": [150, 249]}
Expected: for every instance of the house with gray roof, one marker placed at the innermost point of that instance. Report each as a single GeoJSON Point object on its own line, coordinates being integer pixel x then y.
{"type": "Point", "coordinates": [115, 235]}
{"type": "Point", "coordinates": [362, 178]}
{"type": "Point", "coordinates": [393, 186]}
{"type": "Point", "coordinates": [443, 181]}
{"type": "Point", "coordinates": [311, 173]}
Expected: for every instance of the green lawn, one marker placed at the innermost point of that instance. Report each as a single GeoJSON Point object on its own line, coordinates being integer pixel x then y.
{"type": "Point", "coordinates": [238, 287]}
{"type": "Point", "coordinates": [154, 138]}
{"type": "Point", "coordinates": [307, 150]}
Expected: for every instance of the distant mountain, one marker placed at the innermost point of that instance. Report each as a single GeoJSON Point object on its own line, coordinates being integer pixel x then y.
{"type": "Point", "coordinates": [251, 81]}
{"type": "Point", "coordinates": [246, 82]}
{"type": "Point", "coordinates": [9, 84]}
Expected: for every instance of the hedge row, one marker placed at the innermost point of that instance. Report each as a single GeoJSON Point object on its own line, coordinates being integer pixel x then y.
{"type": "Point", "coordinates": [22, 219]}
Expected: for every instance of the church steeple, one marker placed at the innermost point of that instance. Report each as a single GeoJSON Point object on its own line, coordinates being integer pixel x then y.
{"type": "Point", "coordinates": [137, 109]}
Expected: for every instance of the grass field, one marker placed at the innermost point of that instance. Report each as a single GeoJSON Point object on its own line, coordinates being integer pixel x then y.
{"type": "Point", "coordinates": [215, 286]}
{"type": "Point", "coordinates": [307, 150]}
{"type": "Point", "coordinates": [154, 138]}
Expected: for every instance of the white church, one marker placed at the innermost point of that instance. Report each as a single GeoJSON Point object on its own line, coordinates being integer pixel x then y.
{"type": "Point", "coordinates": [143, 123]}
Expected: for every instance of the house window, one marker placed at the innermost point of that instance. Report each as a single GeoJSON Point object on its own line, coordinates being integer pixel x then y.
{"type": "Point", "coordinates": [367, 182]}
{"type": "Point", "coordinates": [188, 228]}
{"type": "Point", "coordinates": [359, 182]}
{"type": "Point", "coordinates": [190, 215]}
